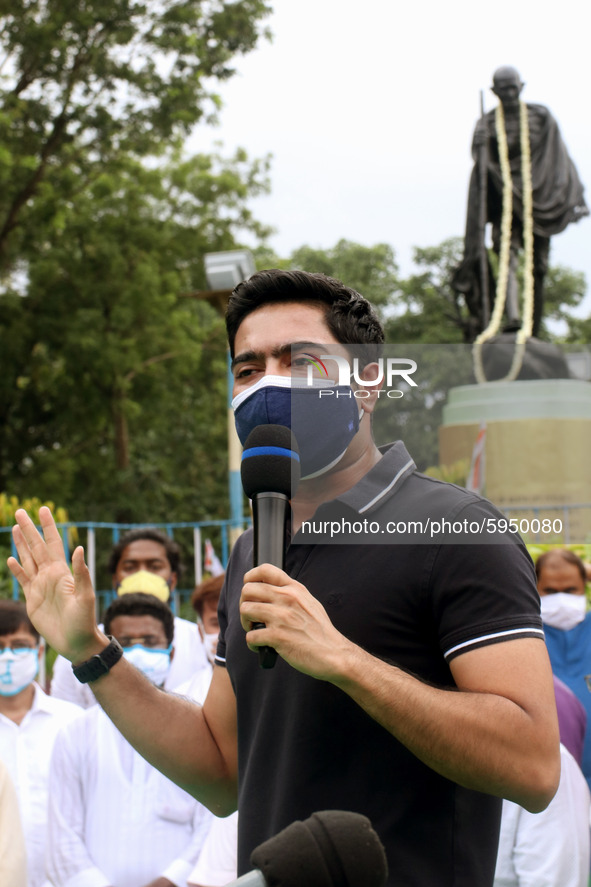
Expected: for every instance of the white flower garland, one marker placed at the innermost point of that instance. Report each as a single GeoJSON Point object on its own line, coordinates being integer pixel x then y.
{"type": "Point", "coordinates": [492, 329]}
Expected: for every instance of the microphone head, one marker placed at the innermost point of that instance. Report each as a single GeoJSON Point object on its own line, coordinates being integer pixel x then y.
{"type": "Point", "coordinates": [270, 461]}
{"type": "Point", "coordinates": [333, 848]}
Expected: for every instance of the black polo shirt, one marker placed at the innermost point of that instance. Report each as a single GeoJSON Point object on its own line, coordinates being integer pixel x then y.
{"type": "Point", "coordinates": [304, 745]}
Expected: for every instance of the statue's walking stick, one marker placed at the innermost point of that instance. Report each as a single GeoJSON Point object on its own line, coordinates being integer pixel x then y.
{"type": "Point", "coordinates": [482, 212]}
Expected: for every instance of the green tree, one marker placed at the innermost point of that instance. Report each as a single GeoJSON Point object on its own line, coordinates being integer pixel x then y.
{"type": "Point", "coordinates": [112, 384]}
{"type": "Point", "coordinates": [371, 270]}
{"type": "Point", "coordinates": [83, 82]}
{"type": "Point", "coordinates": [426, 309]}
{"type": "Point", "coordinates": [116, 393]}
{"type": "Point", "coordinates": [564, 289]}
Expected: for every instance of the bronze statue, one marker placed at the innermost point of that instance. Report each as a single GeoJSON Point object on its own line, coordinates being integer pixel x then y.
{"type": "Point", "coordinates": [514, 144]}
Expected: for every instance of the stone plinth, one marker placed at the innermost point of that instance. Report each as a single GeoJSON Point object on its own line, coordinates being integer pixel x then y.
{"type": "Point", "coordinates": [538, 441]}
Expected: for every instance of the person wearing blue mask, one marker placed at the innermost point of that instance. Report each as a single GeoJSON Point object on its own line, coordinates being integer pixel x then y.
{"type": "Point", "coordinates": [29, 723]}
{"type": "Point", "coordinates": [412, 683]}
{"type": "Point", "coordinates": [114, 819]}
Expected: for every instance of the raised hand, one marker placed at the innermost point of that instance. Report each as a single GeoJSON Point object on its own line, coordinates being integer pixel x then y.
{"type": "Point", "coordinates": [60, 602]}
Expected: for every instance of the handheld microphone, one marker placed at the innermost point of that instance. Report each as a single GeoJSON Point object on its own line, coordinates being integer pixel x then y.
{"type": "Point", "coordinates": [333, 848]}
{"type": "Point", "coordinates": [270, 473]}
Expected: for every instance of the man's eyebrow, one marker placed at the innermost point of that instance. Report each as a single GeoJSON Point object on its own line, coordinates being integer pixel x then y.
{"type": "Point", "coordinates": [278, 351]}
{"type": "Point", "coordinates": [246, 356]}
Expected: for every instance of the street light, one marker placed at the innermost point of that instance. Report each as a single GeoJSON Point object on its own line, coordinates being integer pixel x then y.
{"type": "Point", "coordinates": [224, 271]}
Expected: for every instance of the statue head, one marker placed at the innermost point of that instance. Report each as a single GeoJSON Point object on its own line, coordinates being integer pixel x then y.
{"type": "Point", "coordinates": [507, 86]}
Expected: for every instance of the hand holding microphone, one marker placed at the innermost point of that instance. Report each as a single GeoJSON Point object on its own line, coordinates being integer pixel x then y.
{"type": "Point", "coordinates": [270, 472]}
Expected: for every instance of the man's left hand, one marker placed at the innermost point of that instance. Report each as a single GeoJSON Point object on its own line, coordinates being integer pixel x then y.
{"type": "Point", "coordinates": [296, 624]}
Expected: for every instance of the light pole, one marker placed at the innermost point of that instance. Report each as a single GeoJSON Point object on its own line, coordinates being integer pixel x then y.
{"type": "Point", "coordinates": [223, 272]}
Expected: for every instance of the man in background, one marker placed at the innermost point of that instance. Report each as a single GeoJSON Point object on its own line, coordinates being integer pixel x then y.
{"type": "Point", "coordinates": [29, 723]}
{"type": "Point", "coordinates": [148, 561]}
{"type": "Point", "coordinates": [551, 848]}
{"type": "Point", "coordinates": [216, 865]}
{"type": "Point", "coordinates": [561, 578]}
{"type": "Point", "coordinates": [115, 821]}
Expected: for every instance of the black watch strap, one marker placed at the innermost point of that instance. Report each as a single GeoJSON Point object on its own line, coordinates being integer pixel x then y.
{"type": "Point", "coordinates": [100, 663]}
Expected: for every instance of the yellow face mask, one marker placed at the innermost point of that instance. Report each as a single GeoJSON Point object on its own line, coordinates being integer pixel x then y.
{"type": "Point", "coordinates": [145, 582]}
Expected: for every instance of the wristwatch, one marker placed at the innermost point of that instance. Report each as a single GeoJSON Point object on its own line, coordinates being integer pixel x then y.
{"type": "Point", "coordinates": [99, 664]}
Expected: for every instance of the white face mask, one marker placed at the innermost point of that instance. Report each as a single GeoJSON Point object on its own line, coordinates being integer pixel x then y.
{"type": "Point", "coordinates": [154, 663]}
{"type": "Point", "coordinates": [210, 641]}
{"type": "Point", "coordinates": [17, 670]}
{"type": "Point", "coordinates": [563, 610]}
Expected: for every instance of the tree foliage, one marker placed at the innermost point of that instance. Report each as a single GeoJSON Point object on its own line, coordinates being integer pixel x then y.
{"type": "Point", "coordinates": [84, 81]}
{"type": "Point", "coordinates": [112, 380]}
{"type": "Point", "coordinates": [113, 369]}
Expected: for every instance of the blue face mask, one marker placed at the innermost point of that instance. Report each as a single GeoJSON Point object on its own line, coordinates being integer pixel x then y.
{"type": "Point", "coordinates": [323, 423]}
{"type": "Point", "coordinates": [154, 663]}
{"type": "Point", "coordinates": [17, 669]}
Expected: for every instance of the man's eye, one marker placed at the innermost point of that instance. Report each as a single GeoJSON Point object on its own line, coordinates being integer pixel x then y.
{"type": "Point", "coordinates": [244, 373]}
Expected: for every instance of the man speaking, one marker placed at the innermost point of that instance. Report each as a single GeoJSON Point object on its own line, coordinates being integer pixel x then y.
{"type": "Point", "coordinates": [412, 683]}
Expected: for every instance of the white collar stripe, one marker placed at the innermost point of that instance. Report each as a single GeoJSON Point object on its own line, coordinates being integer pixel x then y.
{"type": "Point", "coordinates": [391, 485]}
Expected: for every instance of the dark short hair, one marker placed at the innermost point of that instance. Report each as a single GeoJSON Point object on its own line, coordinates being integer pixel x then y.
{"type": "Point", "coordinates": [564, 554]}
{"type": "Point", "coordinates": [209, 588]}
{"type": "Point", "coordinates": [349, 316]}
{"type": "Point", "coordinates": [138, 604]}
{"type": "Point", "coordinates": [13, 615]}
{"type": "Point", "coordinates": [172, 549]}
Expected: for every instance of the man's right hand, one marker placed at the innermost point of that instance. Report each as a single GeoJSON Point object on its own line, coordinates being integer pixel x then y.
{"type": "Point", "coordinates": [60, 603]}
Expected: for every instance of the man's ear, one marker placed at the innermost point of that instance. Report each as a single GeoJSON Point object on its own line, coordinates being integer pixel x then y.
{"type": "Point", "coordinates": [172, 653]}
{"type": "Point", "coordinates": [368, 375]}
{"type": "Point", "coordinates": [173, 581]}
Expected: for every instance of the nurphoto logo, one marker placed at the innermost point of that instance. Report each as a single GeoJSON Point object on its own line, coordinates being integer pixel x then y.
{"type": "Point", "coordinates": [389, 371]}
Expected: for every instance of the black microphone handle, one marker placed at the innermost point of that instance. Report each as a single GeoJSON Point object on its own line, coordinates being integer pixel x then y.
{"type": "Point", "coordinates": [270, 512]}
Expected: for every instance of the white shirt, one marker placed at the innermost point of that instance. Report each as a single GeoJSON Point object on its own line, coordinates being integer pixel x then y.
{"type": "Point", "coordinates": [551, 848]}
{"type": "Point", "coordinates": [189, 658]}
{"type": "Point", "coordinates": [217, 861]}
{"type": "Point", "coordinates": [114, 820]}
{"type": "Point", "coordinates": [13, 860]}
{"type": "Point", "coordinates": [26, 750]}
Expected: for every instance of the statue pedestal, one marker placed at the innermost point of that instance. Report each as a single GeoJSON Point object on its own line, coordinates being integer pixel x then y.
{"type": "Point", "coordinates": [538, 445]}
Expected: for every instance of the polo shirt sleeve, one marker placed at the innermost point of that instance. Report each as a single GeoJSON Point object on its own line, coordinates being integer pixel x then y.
{"type": "Point", "coordinates": [220, 653]}
{"type": "Point", "coordinates": [239, 563]}
{"type": "Point", "coordinates": [483, 592]}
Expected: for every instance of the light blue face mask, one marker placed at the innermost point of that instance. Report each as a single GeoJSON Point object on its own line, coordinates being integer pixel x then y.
{"type": "Point", "coordinates": [324, 421]}
{"type": "Point", "coordinates": [153, 662]}
{"type": "Point", "coordinates": [17, 669]}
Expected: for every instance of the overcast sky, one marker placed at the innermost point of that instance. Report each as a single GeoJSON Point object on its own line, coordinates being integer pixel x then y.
{"type": "Point", "coordinates": [368, 109]}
